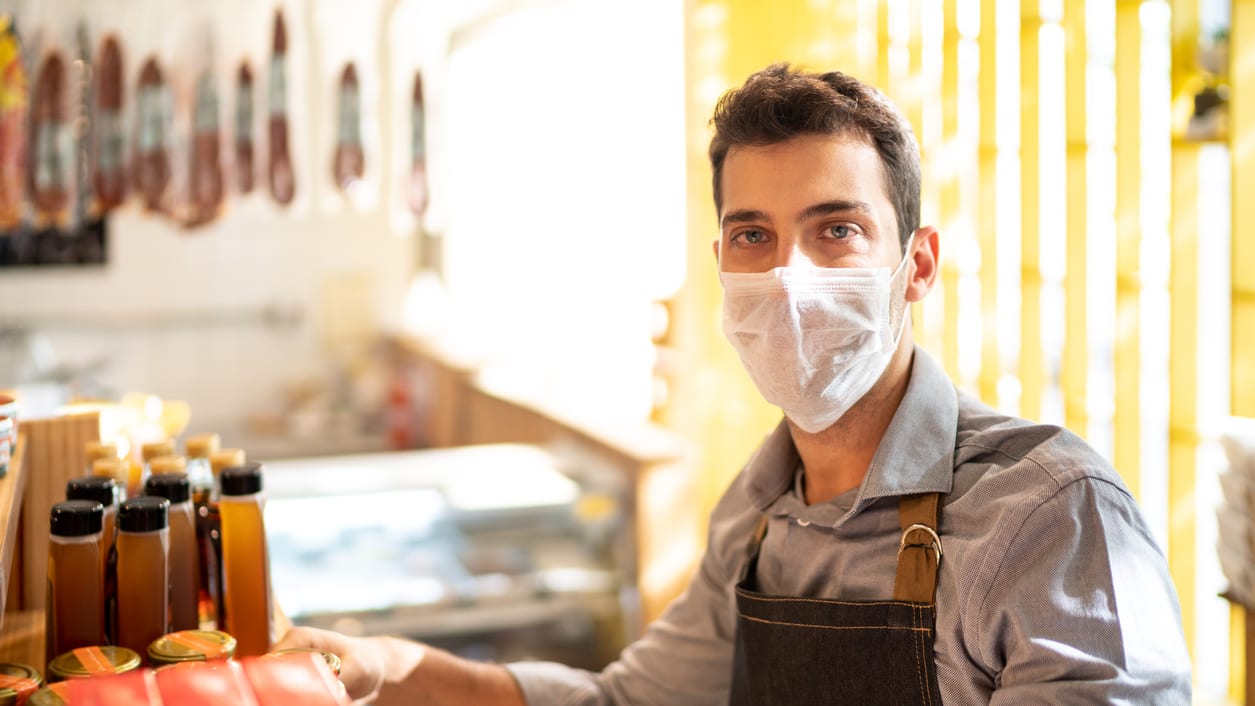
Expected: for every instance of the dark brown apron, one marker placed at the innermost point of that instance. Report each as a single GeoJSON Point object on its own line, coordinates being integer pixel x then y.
{"type": "Point", "coordinates": [812, 651]}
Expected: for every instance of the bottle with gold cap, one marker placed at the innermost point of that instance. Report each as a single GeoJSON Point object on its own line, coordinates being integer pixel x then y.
{"type": "Point", "coordinates": [209, 537]}
{"type": "Point", "coordinates": [245, 564]}
{"type": "Point", "coordinates": [198, 449]}
{"type": "Point", "coordinates": [166, 464]}
{"type": "Point", "coordinates": [184, 553]}
{"type": "Point", "coordinates": [148, 452]}
{"type": "Point", "coordinates": [74, 609]}
{"type": "Point", "coordinates": [143, 572]}
{"type": "Point", "coordinates": [94, 450]}
{"type": "Point", "coordinates": [114, 468]}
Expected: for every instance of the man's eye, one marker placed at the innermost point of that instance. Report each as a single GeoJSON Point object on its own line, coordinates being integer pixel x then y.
{"type": "Point", "coordinates": [840, 231]}
{"type": "Point", "coordinates": [753, 237]}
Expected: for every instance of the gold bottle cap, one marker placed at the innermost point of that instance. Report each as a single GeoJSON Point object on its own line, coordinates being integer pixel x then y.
{"type": "Point", "coordinates": [92, 661]}
{"type": "Point", "coordinates": [154, 449]}
{"type": "Point", "coordinates": [167, 464]}
{"type": "Point", "coordinates": [202, 445]}
{"type": "Point", "coordinates": [226, 458]}
{"type": "Point", "coordinates": [113, 468]}
{"type": "Point", "coordinates": [99, 449]}
{"type": "Point", "coordinates": [17, 682]}
{"type": "Point", "coordinates": [333, 660]}
{"type": "Point", "coordinates": [191, 646]}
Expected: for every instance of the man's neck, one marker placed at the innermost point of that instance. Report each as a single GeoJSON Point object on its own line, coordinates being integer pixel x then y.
{"type": "Point", "coordinates": [837, 459]}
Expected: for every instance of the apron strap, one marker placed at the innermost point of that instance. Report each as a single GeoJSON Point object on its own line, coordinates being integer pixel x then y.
{"type": "Point", "coordinates": [919, 552]}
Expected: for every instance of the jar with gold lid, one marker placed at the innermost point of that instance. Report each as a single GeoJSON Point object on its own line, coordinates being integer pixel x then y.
{"type": "Point", "coordinates": [191, 646]}
{"type": "Point", "coordinates": [57, 694]}
{"type": "Point", "coordinates": [18, 682]}
{"type": "Point", "coordinates": [92, 661]}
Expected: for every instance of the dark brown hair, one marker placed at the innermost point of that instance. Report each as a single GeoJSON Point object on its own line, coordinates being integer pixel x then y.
{"type": "Point", "coordinates": [780, 102]}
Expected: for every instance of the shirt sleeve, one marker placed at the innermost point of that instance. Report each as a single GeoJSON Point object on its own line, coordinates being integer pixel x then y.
{"type": "Point", "coordinates": [685, 656]}
{"type": "Point", "coordinates": [1081, 608]}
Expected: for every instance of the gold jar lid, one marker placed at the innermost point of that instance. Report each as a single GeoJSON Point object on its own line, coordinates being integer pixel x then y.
{"type": "Point", "coordinates": [333, 660]}
{"type": "Point", "coordinates": [110, 468]}
{"type": "Point", "coordinates": [18, 681]}
{"type": "Point", "coordinates": [191, 646]}
{"type": "Point", "coordinates": [167, 464]}
{"type": "Point", "coordinates": [202, 445]}
{"type": "Point", "coordinates": [52, 695]}
{"type": "Point", "coordinates": [92, 661]}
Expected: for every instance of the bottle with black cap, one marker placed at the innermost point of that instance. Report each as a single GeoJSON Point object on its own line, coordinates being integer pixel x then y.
{"type": "Point", "coordinates": [245, 565]}
{"type": "Point", "coordinates": [103, 490]}
{"type": "Point", "coordinates": [143, 572]}
{"type": "Point", "coordinates": [184, 557]}
{"type": "Point", "coordinates": [74, 612]}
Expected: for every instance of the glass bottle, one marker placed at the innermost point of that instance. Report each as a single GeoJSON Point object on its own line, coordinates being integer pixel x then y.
{"type": "Point", "coordinates": [74, 612]}
{"type": "Point", "coordinates": [94, 450]}
{"type": "Point", "coordinates": [149, 451]}
{"type": "Point", "coordinates": [184, 554]}
{"type": "Point", "coordinates": [114, 468]}
{"type": "Point", "coordinates": [143, 572]}
{"type": "Point", "coordinates": [209, 537]}
{"type": "Point", "coordinates": [103, 490]}
{"type": "Point", "coordinates": [199, 472]}
{"type": "Point", "coordinates": [245, 565]}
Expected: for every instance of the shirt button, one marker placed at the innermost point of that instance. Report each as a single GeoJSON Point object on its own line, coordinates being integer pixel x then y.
{"type": "Point", "coordinates": [803, 523]}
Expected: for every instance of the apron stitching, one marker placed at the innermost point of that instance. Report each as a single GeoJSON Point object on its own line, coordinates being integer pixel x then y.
{"type": "Point", "coordinates": [833, 627]}
{"type": "Point", "coordinates": [921, 669]}
{"type": "Point", "coordinates": [778, 599]}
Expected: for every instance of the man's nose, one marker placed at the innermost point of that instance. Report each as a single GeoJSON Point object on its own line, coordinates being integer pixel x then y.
{"type": "Point", "coordinates": [790, 254]}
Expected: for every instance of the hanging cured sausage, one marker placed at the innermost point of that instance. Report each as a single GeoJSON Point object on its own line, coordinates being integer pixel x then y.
{"type": "Point", "coordinates": [152, 144]}
{"type": "Point", "coordinates": [52, 141]}
{"type": "Point", "coordinates": [109, 173]}
{"type": "Point", "coordinates": [244, 166]}
{"type": "Point", "coordinates": [349, 163]}
{"type": "Point", "coordinates": [12, 126]}
{"type": "Point", "coordinates": [205, 177]}
{"type": "Point", "coordinates": [282, 179]}
{"type": "Point", "coordinates": [418, 150]}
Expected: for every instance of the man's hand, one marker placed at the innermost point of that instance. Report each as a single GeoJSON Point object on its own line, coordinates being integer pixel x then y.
{"type": "Point", "coordinates": [385, 670]}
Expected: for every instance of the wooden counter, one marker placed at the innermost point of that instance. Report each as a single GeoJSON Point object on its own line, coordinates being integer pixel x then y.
{"type": "Point", "coordinates": [12, 491]}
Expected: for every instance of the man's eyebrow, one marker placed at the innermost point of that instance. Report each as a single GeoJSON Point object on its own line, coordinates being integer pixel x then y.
{"type": "Point", "coordinates": [837, 206]}
{"type": "Point", "coordinates": [743, 216]}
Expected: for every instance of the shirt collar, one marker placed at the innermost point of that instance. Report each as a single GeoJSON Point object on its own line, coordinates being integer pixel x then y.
{"type": "Point", "coordinates": [916, 454]}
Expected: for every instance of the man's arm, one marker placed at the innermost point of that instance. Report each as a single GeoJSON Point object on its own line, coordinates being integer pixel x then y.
{"type": "Point", "coordinates": [1081, 608]}
{"type": "Point", "coordinates": [389, 670]}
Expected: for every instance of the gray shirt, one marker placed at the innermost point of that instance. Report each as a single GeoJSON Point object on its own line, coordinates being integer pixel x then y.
{"type": "Point", "coordinates": [1051, 590]}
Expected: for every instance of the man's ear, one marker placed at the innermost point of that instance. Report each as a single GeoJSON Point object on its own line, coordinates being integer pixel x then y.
{"type": "Point", "coordinates": [714, 246]}
{"type": "Point", "coordinates": [923, 253]}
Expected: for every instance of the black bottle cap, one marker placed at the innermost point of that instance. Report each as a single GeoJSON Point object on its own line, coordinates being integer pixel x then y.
{"type": "Point", "coordinates": [143, 514]}
{"type": "Point", "coordinates": [241, 480]}
{"type": "Point", "coordinates": [174, 487]}
{"type": "Point", "coordinates": [102, 489]}
{"type": "Point", "coordinates": [77, 518]}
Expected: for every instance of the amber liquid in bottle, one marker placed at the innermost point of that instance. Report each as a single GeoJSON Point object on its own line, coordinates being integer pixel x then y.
{"type": "Point", "coordinates": [75, 601]}
{"type": "Point", "coordinates": [143, 572]}
{"type": "Point", "coordinates": [184, 553]}
{"type": "Point", "coordinates": [245, 565]}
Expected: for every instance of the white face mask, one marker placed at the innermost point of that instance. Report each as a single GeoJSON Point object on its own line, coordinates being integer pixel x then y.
{"type": "Point", "coordinates": [814, 339]}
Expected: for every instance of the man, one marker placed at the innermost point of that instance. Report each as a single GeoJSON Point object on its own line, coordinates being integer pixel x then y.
{"type": "Point", "coordinates": [893, 540]}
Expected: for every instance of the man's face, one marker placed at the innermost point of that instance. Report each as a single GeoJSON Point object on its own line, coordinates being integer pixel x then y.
{"type": "Point", "coordinates": [815, 199]}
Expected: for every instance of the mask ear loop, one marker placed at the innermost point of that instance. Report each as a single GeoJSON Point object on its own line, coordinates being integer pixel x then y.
{"type": "Point", "coordinates": [906, 308]}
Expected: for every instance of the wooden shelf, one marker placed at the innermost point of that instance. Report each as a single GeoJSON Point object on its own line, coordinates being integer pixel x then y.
{"type": "Point", "coordinates": [12, 490]}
